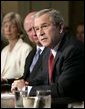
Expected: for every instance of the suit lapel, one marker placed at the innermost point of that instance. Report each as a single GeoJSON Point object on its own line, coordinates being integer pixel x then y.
{"type": "Point", "coordinates": [59, 50]}
{"type": "Point", "coordinates": [28, 62]}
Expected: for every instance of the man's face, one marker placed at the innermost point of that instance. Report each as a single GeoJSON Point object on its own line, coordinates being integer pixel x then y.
{"type": "Point", "coordinates": [47, 33]}
{"type": "Point", "coordinates": [29, 28]}
{"type": "Point", "coordinates": [80, 32]}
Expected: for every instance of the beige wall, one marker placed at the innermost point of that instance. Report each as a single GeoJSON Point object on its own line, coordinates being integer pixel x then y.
{"type": "Point", "coordinates": [7, 6]}
{"type": "Point", "coordinates": [63, 7]}
{"type": "Point", "coordinates": [23, 7]}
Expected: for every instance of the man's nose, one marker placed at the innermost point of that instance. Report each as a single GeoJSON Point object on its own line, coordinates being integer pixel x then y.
{"type": "Point", "coordinates": [34, 33]}
{"type": "Point", "coordinates": [41, 32]}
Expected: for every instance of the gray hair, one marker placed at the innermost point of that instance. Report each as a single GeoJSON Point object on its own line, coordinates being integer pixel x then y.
{"type": "Point", "coordinates": [55, 15]}
{"type": "Point", "coordinates": [15, 18]}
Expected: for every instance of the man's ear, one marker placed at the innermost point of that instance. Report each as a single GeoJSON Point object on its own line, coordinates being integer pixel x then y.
{"type": "Point", "coordinates": [61, 27]}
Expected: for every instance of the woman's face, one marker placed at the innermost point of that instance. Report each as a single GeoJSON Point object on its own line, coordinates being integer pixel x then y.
{"type": "Point", "coordinates": [10, 30]}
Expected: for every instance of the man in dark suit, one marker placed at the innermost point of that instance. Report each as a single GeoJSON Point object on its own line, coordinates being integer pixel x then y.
{"type": "Point", "coordinates": [33, 74]}
{"type": "Point", "coordinates": [79, 32]}
{"type": "Point", "coordinates": [67, 81]}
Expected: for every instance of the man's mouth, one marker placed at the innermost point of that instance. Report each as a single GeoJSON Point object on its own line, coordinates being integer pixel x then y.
{"type": "Point", "coordinates": [34, 37]}
{"type": "Point", "coordinates": [43, 39]}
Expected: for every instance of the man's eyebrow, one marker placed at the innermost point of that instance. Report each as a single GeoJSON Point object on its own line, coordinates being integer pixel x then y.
{"type": "Point", "coordinates": [44, 23]}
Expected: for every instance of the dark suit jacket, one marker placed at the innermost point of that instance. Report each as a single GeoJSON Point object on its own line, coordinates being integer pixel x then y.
{"type": "Point", "coordinates": [36, 77]}
{"type": "Point", "coordinates": [68, 71]}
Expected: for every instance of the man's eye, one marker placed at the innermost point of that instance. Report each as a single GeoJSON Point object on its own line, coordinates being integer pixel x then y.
{"type": "Point", "coordinates": [44, 26]}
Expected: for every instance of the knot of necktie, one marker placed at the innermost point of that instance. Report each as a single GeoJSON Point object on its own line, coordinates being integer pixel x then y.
{"type": "Point", "coordinates": [38, 52]}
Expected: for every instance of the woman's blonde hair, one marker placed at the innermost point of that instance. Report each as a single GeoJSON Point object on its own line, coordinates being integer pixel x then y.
{"type": "Point", "coordinates": [15, 18]}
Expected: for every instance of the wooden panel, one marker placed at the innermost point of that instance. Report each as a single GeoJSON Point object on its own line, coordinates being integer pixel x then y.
{"type": "Point", "coordinates": [7, 6]}
{"type": "Point", "coordinates": [76, 13]}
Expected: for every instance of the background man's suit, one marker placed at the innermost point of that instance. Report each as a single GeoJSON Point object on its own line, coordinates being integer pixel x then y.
{"type": "Point", "coordinates": [36, 77]}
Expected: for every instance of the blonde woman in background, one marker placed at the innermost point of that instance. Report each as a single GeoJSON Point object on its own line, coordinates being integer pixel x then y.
{"type": "Point", "coordinates": [14, 54]}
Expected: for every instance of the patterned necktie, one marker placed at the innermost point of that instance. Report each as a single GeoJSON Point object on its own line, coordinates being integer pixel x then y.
{"type": "Point", "coordinates": [50, 65]}
{"type": "Point", "coordinates": [35, 59]}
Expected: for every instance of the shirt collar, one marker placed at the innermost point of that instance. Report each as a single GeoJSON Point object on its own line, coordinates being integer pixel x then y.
{"type": "Point", "coordinates": [54, 50]}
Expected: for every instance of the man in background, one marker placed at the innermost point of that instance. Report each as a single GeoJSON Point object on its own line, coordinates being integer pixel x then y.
{"type": "Point", "coordinates": [80, 32]}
